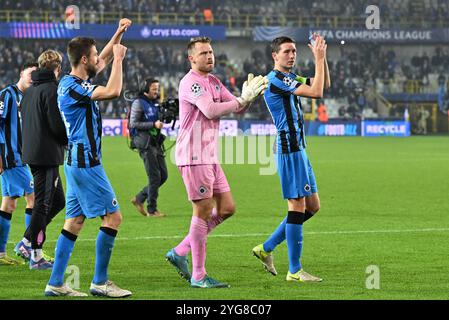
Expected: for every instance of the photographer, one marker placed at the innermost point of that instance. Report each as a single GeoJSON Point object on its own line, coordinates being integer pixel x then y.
{"type": "Point", "coordinates": [148, 140]}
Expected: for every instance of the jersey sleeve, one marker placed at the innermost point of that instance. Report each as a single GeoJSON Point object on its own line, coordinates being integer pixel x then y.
{"type": "Point", "coordinates": [81, 93]}
{"type": "Point", "coordinates": [284, 85]}
{"type": "Point", "coordinates": [191, 91]}
{"type": "Point", "coordinates": [5, 100]}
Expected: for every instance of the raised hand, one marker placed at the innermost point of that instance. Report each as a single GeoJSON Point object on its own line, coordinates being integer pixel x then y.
{"type": "Point", "coordinates": [124, 24]}
{"type": "Point", "coordinates": [252, 88]}
{"type": "Point", "coordinates": [319, 49]}
{"type": "Point", "coordinates": [119, 51]}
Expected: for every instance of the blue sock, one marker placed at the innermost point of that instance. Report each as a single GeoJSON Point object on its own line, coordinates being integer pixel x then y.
{"type": "Point", "coordinates": [104, 245]}
{"type": "Point", "coordinates": [276, 238]}
{"type": "Point", "coordinates": [28, 212]}
{"type": "Point", "coordinates": [64, 248]}
{"type": "Point", "coordinates": [293, 232]}
{"type": "Point", "coordinates": [5, 225]}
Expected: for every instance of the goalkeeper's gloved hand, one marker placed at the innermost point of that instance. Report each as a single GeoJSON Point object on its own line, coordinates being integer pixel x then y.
{"type": "Point", "coordinates": [252, 88]}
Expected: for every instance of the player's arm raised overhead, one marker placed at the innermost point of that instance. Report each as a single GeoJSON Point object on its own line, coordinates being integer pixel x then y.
{"type": "Point", "coordinates": [327, 77]}
{"type": "Point", "coordinates": [315, 90]}
{"type": "Point", "coordinates": [115, 82]}
{"type": "Point", "coordinates": [107, 54]}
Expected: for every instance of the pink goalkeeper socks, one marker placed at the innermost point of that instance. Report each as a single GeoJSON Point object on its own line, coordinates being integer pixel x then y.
{"type": "Point", "coordinates": [198, 237]}
{"type": "Point", "coordinates": [183, 247]}
{"type": "Point", "coordinates": [215, 220]}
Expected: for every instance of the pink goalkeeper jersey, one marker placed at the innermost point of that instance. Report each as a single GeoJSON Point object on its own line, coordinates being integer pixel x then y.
{"type": "Point", "coordinates": [202, 101]}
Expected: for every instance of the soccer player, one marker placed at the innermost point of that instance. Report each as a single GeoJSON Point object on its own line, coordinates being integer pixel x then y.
{"type": "Point", "coordinates": [203, 100]}
{"type": "Point", "coordinates": [298, 183]}
{"type": "Point", "coordinates": [16, 176]}
{"type": "Point", "coordinates": [89, 193]}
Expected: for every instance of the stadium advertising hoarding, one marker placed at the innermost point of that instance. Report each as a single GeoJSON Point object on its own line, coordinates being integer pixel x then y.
{"type": "Point", "coordinates": [354, 35]}
{"type": "Point", "coordinates": [385, 128]}
{"type": "Point", "coordinates": [371, 128]}
{"type": "Point", "coordinates": [368, 128]}
{"type": "Point", "coordinates": [334, 128]}
{"type": "Point", "coordinates": [118, 127]}
{"type": "Point", "coordinates": [44, 30]}
{"type": "Point", "coordinates": [313, 128]}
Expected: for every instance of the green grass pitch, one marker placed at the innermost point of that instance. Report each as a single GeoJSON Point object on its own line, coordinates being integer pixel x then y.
{"type": "Point", "coordinates": [384, 203]}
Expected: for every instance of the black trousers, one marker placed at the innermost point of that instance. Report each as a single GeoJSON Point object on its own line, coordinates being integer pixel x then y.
{"type": "Point", "coordinates": [156, 169]}
{"type": "Point", "coordinates": [49, 201]}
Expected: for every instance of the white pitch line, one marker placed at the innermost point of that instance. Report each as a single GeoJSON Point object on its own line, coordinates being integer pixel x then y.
{"type": "Point", "coordinates": [249, 235]}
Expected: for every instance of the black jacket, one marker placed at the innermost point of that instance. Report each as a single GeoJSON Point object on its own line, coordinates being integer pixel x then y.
{"type": "Point", "coordinates": [43, 132]}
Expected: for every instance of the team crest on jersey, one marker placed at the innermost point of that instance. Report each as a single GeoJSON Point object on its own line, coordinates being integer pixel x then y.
{"type": "Point", "coordinates": [287, 81]}
{"type": "Point", "coordinates": [196, 89]}
{"type": "Point", "coordinates": [114, 202]}
{"type": "Point", "coordinates": [31, 184]}
{"type": "Point", "coordinates": [307, 188]}
{"type": "Point", "coordinates": [86, 85]}
{"type": "Point", "coordinates": [217, 88]}
{"type": "Point", "coordinates": [202, 190]}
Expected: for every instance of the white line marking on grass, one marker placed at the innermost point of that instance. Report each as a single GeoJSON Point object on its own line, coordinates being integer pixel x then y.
{"type": "Point", "coordinates": [380, 231]}
{"type": "Point", "coordinates": [249, 235]}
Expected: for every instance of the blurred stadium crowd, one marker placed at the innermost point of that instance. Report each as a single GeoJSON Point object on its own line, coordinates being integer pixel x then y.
{"type": "Point", "coordinates": [392, 9]}
{"type": "Point", "coordinates": [356, 70]}
{"type": "Point", "coordinates": [359, 72]}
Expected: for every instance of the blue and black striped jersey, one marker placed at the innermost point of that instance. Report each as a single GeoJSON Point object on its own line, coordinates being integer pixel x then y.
{"type": "Point", "coordinates": [11, 127]}
{"type": "Point", "coordinates": [286, 110]}
{"type": "Point", "coordinates": [82, 118]}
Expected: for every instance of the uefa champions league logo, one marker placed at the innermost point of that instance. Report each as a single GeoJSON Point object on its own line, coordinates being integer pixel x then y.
{"type": "Point", "coordinates": [2, 105]}
{"type": "Point", "coordinates": [196, 89]}
{"type": "Point", "coordinates": [86, 85]}
{"type": "Point", "coordinates": [287, 81]}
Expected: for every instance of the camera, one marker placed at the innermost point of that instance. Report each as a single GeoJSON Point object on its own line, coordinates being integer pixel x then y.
{"type": "Point", "coordinates": [169, 111]}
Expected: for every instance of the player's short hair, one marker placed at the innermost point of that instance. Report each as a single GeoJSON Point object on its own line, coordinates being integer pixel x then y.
{"type": "Point", "coordinates": [79, 47]}
{"type": "Point", "coordinates": [277, 42]}
{"type": "Point", "coordinates": [50, 59]}
{"type": "Point", "coordinates": [196, 40]}
{"type": "Point", "coordinates": [29, 64]}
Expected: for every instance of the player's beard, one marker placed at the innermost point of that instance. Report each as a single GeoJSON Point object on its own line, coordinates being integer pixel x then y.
{"type": "Point", "coordinates": [91, 71]}
{"type": "Point", "coordinates": [207, 68]}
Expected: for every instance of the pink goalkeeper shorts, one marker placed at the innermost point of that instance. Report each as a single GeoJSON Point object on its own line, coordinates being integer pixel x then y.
{"type": "Point", "coordinates": [204, 180]}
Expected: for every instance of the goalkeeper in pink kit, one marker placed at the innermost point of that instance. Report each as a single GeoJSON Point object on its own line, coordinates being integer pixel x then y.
{"type": "Point", "coordinates": [203, 100]}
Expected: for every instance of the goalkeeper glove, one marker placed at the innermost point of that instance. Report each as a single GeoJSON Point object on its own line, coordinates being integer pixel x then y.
{"type": "Point", "coordinates": [252, 88]}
